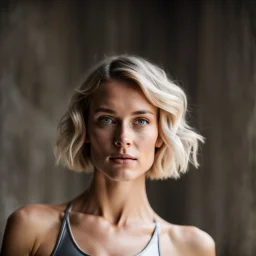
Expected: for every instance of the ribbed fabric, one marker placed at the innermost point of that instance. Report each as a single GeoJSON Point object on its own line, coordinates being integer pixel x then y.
{"type": "Point", "coordinates": [67, 246]}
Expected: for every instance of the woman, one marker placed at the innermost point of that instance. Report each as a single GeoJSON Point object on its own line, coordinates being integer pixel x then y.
{"type": "Point", "coordinates": [125, 123]}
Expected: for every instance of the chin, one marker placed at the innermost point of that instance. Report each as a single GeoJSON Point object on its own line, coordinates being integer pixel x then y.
{"type": "Point", "coordinates": [122, 175]}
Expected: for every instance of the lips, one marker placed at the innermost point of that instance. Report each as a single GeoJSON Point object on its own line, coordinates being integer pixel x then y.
{"type": "Point", "coordinates": [122, 159]}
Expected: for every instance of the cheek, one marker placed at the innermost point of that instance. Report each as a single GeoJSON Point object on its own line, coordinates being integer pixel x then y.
{"type": "Point", "coordinates": [146, 143]}
{"type": "Point", "coordinates": [147, 154]}
{"type": "Point", "coordinates": [100, 136]}
{"type": "Point", "coordinates": [99, 139]}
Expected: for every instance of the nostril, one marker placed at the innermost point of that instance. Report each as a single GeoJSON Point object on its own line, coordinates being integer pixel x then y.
{"type": "Point", "coordinates": [121, 143]}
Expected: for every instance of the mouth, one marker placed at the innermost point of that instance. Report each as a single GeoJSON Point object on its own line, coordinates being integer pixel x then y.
{"type": "Point", "coordinates": [122, 159]}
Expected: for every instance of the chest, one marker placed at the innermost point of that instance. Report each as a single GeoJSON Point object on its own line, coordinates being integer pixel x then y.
{"type": "Point", "coordinates": [89, 243]}
{"type": "Point", "coordinates": [77, 240]}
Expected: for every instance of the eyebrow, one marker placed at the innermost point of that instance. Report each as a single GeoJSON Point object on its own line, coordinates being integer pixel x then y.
{"type": "Point", "coordinates": [110, 111]}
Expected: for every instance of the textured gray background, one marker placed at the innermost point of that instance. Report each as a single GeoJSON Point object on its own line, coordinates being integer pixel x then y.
{"type": "Point", "coordinates": [208, 46]}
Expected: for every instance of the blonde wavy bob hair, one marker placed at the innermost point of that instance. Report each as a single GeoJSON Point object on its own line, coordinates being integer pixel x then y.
{"type": "Point", "coordinates": [180, 141]}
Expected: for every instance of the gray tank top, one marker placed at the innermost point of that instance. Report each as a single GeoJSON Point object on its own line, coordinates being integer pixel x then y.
{"type": "Point", "coordinates": [67, 246]}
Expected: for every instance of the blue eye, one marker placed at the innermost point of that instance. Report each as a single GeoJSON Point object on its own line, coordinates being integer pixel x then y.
{"type": "Point", "coordinates": [142, 122]}
{"type": "Point", "coordinates": [105, 120]}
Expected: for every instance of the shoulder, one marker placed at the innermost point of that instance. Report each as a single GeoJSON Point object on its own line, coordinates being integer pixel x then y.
{"type": "Point", "coordinates": [185, 240]}
{"type": "Point", "coordinates": [196, 241]}
{"type": "Point", "coordinates": [34, 215]}
{"type": "Point", "coordinates": [27, 225]}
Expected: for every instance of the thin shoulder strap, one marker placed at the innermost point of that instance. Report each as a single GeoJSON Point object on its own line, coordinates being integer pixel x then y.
{"type": "Point", "coordinates": [158, 236]}
{"type": "Point", "coordinates": [67, 210]}
{"type": "Point", "coordinates": [62, 229]}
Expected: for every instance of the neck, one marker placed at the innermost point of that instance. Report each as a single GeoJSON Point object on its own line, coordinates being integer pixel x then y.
{"type": "Point", "coordinates": [119, 202]}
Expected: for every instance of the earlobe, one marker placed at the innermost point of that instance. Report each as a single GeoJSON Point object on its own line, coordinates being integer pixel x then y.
{"type": "Point", "coordinates": [159, 142]}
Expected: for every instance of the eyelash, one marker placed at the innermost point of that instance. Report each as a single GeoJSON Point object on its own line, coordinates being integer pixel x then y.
{"type": "Point", "coordinates": [106, 117]}
{"type": "Point", "coordinates": [142, 119]}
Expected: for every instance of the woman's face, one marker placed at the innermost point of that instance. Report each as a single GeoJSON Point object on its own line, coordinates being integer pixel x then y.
{"type": "Point", "coordinates": [122, 131]}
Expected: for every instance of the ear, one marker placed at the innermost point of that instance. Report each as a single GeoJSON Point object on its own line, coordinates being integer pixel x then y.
{"type": "Point", "coordinates": [159, 142]}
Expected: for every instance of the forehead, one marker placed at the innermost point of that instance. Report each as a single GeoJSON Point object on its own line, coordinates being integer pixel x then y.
{"type": "Point", "coordinates": [121, 96]}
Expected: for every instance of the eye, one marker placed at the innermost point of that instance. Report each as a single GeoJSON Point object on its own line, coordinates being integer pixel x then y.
{"type": "Point", "coordinates": [105, 120]}
{"type": "Point", "coordinates": [142, 121]}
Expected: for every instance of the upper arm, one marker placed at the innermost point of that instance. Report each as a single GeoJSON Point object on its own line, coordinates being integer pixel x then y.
{"type": "Point", "coordinates": [20, 234]}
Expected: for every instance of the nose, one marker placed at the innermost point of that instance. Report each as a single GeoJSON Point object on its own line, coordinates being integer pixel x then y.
{"type": "Point", "coordinates": [122, 142]}
{"type": "Point", "coordinates": [122, 137]}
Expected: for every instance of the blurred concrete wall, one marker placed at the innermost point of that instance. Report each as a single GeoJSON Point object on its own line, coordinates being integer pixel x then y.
{"type": "Point", "coordinates": [207, 46]}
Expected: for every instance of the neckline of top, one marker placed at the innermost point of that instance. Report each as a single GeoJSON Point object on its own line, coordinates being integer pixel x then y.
{"type": "Point", "coordinates": [154, 236]}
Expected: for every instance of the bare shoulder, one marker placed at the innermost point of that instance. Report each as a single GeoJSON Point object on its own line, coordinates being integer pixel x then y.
{"type": "Point", "coordinates": [27, 225]}
{"type": "Point", "coordinates": [35, 216]}
{"type": "Point", "coordinates": [198, 242]}
{"type": "Point", "coordinates": [194, 240]}
{"type": "Point", "coordinates": [189, 240]}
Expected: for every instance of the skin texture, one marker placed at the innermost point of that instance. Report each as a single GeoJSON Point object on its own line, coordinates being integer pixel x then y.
{"type": "Point", "coordinates": [114, 213]}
